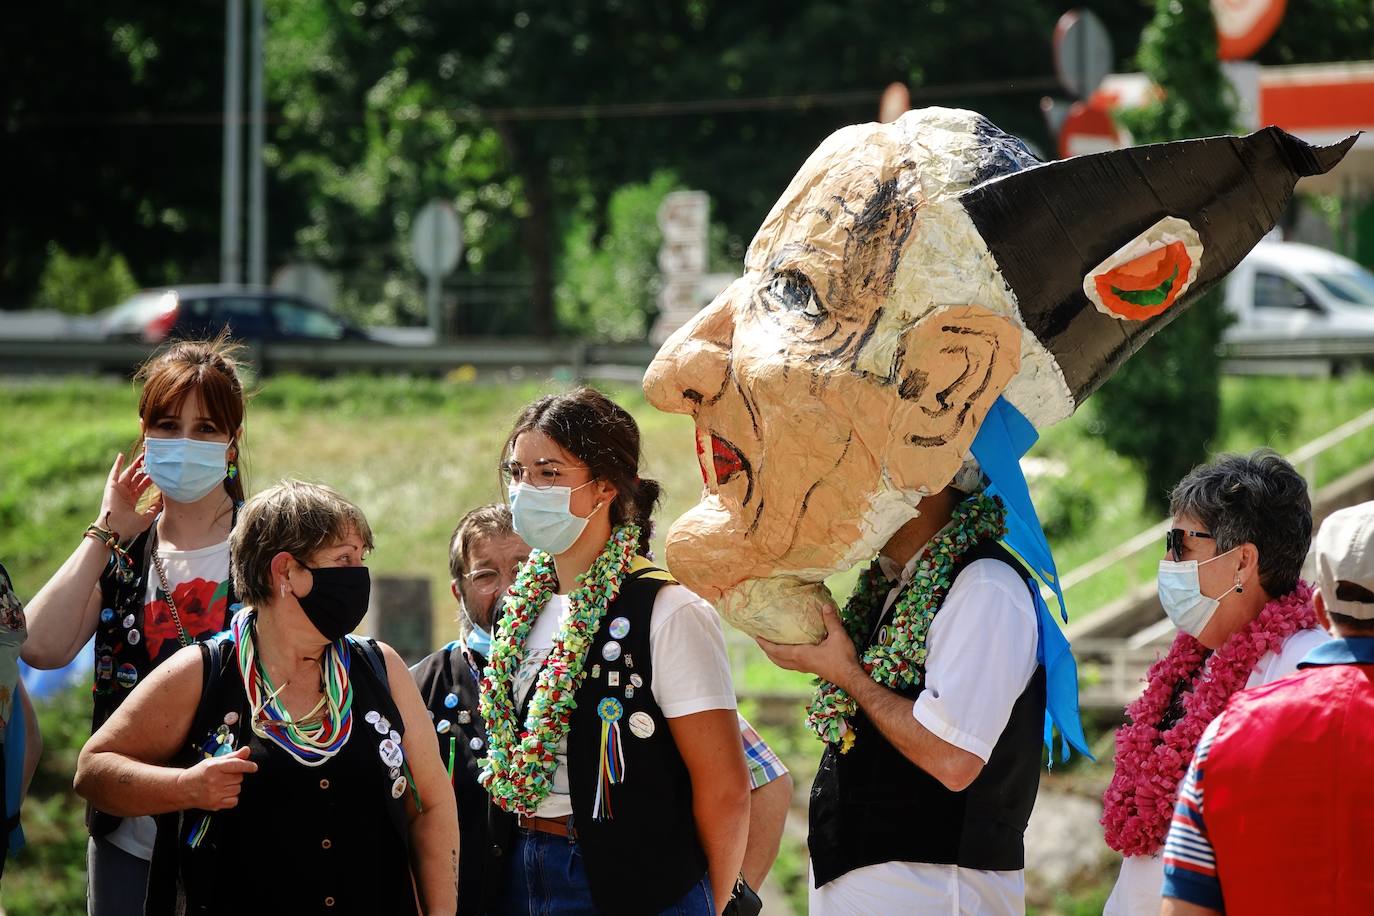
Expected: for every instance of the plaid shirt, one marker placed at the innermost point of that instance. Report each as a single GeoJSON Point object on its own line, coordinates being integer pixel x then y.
{"type": "Point", "coordinates": [764, 765]}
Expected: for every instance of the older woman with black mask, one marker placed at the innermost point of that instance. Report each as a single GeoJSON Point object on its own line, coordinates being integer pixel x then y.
{"type": "Point", "coordinates": [294, 762]}
{"type": "Point", "coordinates": [1229, 582]}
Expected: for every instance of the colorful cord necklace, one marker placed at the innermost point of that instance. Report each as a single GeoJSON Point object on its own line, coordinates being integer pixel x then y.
{"type": "Point", "coordinates": [518, 769]}
{"type": "Point", "coordinates": [315, 737]}
{"type": "Point", "coordinates": [896, 657]}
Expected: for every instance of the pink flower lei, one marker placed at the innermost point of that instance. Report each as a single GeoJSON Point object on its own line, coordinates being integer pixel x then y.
{"type": "Point", "coordinates": [1150, 763]}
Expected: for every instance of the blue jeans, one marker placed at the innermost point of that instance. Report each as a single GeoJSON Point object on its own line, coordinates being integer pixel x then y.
{"type": "Point", "coordinates": [545, 876]}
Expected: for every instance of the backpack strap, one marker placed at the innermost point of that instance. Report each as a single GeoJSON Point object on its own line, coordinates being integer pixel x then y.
{"type": "Point", "coordinates": [372, 652]}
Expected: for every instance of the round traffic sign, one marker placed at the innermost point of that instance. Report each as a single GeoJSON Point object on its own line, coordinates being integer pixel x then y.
{"type": "Point", "coordinates": [1082, 52]}
{"type": "Point", "coordinates": [436, 238]}
{"type": "Point", "coordinates": [1243, 26]}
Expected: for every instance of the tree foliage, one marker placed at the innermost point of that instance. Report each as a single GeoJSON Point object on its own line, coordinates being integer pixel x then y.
{"type": "Point", "coordinates": [1162, 408]}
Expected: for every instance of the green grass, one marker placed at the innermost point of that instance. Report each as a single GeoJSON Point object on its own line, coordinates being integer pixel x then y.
{"type": "Point", "coordinates": [416, 453]}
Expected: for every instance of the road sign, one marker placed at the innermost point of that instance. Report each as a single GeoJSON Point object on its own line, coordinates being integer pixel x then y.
{"type": "Point", "coordinates": [1088, 129]}
{"type": "Point", "coordinates": [436, 243]}
{"type": "Point", "coordinates": [1082, 52]}
{"type": "Point", "coordinates": [436, 238]}
{"type": "Point", "coordinates": [1243, 26]}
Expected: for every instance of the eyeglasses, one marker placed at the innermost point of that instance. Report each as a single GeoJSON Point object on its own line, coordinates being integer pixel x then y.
{"type": "Point", "coordinates": [1173, 541]}
{"type": "Point", "coordinates": [545, 473]}
{"type": "Point", "coordinates": [486, 582]}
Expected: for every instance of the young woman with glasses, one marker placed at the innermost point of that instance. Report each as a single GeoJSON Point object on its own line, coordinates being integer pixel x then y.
{"type": "Point", "coordinates": [614, 759]}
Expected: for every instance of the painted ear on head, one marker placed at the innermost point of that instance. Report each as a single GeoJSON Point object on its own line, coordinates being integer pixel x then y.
{"type": "Point", "coordinates": [950, 368]}
{"type": "Point", "coordinates": [1102, 251]}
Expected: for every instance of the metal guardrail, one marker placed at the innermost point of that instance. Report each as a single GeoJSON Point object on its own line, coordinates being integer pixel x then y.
{"type": "Point", "coordinates": [275, 357]}
{"type": "Point", "coordinates": [1299, 348]}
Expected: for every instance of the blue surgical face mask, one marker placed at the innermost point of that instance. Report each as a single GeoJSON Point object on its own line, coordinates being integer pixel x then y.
{"type": "Point", "coordinates": [185, 470]}
{"type": "Point", "coordinates": [1180, 593]}
{"type": "Point", "coordinates": [543, 518]}
{"type": "Point", "coordinates": [478, 639]}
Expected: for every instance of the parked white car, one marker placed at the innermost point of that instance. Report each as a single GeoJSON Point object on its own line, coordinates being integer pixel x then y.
{"type": "Point", "coordinates": [1286, 291]}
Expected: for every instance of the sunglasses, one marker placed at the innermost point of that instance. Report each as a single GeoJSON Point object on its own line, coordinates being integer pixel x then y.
{"type": "Point", "coordinates": [1173, 541]}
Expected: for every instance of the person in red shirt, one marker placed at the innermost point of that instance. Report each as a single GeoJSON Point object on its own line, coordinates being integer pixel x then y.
{"type": "Point", "coordinates": [1274, 814]}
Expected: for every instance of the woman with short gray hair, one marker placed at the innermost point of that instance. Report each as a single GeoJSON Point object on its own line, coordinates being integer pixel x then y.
{"type": "Point", "coordinates": [286, 757]}
{"type": "Point", "coordinates": [1230, 583]}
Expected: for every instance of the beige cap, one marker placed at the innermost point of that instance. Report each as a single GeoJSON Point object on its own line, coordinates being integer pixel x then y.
{"type": "Point", "coordinates": [1345, 553]}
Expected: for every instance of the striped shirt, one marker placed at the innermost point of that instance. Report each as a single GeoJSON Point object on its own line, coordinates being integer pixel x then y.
{"type": "Point", "coordinates": [1190, 865]}
{"type": "Point", "coordinates": [764, 765]}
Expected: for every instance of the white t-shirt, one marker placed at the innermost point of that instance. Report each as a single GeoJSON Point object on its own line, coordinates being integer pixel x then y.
{"type": "Point", "coordinates": [982, 650]}
{"type": "Point", "coordinates": [199, 583]}
{"type": "Point", "coordinates": [1138, 886]}
{"type": "Point", "coordinates": [691, 670]}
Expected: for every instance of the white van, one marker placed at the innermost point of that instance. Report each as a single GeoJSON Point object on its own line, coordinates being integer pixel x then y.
{"type": "Point", "coordinates": [1286, 291]}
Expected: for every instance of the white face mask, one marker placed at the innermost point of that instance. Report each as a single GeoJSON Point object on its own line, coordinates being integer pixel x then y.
{"type": "Point", "coordinates": [1180, 593]}
{"type": "Point", "coordinates": [543, 518]}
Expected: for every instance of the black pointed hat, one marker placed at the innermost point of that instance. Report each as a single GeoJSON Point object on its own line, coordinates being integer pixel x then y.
{"type": "Point", "coordinates": [1103, 250]}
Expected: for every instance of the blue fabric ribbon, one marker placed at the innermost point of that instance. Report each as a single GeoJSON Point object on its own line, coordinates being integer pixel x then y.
{"type": "Point", "coordinates": [15, 743]}
{"type": "Point", "coordinates": [1004, 437]}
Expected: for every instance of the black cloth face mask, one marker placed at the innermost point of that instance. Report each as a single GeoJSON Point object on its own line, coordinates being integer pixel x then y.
{"type": "Point", "coordinates": [338, 601]}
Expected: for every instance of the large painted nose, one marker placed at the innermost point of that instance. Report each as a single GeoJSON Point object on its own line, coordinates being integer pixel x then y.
{"type": "Point", "coordinates": [692, 366]}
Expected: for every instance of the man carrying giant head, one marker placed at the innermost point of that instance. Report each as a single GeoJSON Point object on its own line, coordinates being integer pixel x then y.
{"type": "Point", "coordinates": [924, 296]}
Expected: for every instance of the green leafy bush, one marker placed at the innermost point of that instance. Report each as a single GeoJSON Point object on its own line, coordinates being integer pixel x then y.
{"type": "Point", "coordinates": [83, 285]}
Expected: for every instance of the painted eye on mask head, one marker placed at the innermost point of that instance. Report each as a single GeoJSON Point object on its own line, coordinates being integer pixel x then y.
{"type": "Point", "coordinates": [793, 292]}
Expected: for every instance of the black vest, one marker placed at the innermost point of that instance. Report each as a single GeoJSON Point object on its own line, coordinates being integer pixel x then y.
{"type": "Point", "coordinates": [334, 831]}
{"type": "Point", "coordinates": [873, 805]}
{"type": "Point", "coordinates": [458, 726]}
{"type": "Point", "coordinates": [646, 856]}
{"type": "Point", "coordinates": [121, 657]}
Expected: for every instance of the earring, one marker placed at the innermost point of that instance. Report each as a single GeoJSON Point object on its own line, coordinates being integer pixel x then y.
{"type": "Point", "coordinates": [233, 470]}
{"type": "Point", "coordinates": [1239, 588]}
{"type": "Point", "coordinates": [283, 589]}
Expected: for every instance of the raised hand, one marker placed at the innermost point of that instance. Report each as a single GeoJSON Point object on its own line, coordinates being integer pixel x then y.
{"type": "Point", "coordinates": [119, 505]}
{"type": "Point", "coordinates": [214, 783]}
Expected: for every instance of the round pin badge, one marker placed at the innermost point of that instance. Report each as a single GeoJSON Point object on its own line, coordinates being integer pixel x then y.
{"type": "Point", "coordinates": [450, 701]}
{"type": "Point", "coordinates": [128, 621]}
{"type": "Point", "coordinates": [372, 717]}
{"type": "Point", "coordinates": [620, 628]}
{"type": "Point", "coordinates": [127, 675]}
{"type": "Point", "coordinates": [135, 637]}
{"type": "Point", "coordinates": [464, 717]}
{"type": "Point", "coordinates": [636, 681]}
{"type": "Point", "coordinates": [107, 615]}
{"type": "Point", "coordinates": [394, 772]}
{"type": "Point", "coordinates": [641, 724]}
{"type": "Point", "coordinates": [231, 718]}
{"type": "Point", "coordinates": [475, 744]}
{"type": "Point", "coordinates": [391, 754]}
{"type": "Point", "coordinates": [611, 651]}
{"type": "Point", "coordinates": [383, 725]}
{"type": "Point", "coordinates": [398, 788]}
{"type": "Point", "coordinates": [395, 736]}
{"type": "Point", "coordinates": [442, 726]}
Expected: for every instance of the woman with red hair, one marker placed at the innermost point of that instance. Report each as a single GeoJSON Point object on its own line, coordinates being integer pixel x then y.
{"type": "Point", "coordinates": [151, 573]}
